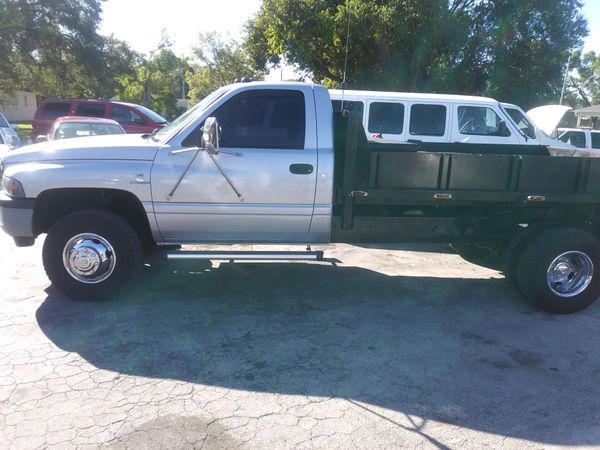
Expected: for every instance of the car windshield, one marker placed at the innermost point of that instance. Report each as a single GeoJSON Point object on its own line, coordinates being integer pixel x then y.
{"type": "Point", "coordinates": [521, 121]}
{"type": "Point", "coordinates": [192, 112]}
{"type": "Point", "coordinates": [80, 129]}
{"type": "Point", "coordinates": [151, 114]}
{"type": "Point", "coordinates": [3, 122]}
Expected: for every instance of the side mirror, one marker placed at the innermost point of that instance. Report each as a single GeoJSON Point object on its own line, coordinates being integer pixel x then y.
{"type": "Point", "coordinates": [210, 135]}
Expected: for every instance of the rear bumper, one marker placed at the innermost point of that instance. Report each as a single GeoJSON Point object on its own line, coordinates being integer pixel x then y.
{"type": "Point", "coordinates": [16, 216]}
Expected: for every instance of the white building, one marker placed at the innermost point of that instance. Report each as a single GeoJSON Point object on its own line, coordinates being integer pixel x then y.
{"type": "Point", "coordinates": [19, 106]}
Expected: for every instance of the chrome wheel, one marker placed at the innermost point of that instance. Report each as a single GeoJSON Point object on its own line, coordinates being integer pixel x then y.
{"type": "Point", "coordinates": [570, 273]}
{"type": "Point", "coordinates": [89, 258]}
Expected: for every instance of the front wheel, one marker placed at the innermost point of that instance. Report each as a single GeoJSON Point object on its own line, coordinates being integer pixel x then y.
{"type": "Point", "coordinates": [560, 270]}
{"type": "Point", "coordinates": [91, 254]}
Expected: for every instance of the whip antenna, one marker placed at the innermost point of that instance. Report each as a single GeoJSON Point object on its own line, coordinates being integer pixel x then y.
{"type": "Point", "coordinates": [344, 84]}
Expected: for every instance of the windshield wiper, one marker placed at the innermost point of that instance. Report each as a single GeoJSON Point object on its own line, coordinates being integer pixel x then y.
{"type": "Point", "coordinates": [150, 135]}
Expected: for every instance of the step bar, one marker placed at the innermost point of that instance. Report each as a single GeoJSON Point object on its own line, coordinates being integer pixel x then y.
{"type": "Point", "coordinates": [246, 256]}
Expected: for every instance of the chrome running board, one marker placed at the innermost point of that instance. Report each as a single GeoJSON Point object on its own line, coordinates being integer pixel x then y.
{"type": "Point", "coordinates": [247, 256]}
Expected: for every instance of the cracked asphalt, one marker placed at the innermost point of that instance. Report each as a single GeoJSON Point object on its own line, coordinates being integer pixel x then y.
{"type": "Point", "coordinates": [392, 347]}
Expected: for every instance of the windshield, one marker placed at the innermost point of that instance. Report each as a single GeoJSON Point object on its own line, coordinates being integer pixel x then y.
{"type": "Point", "coordinates": [200, 106]}
{"type": "Point", "coordinates": [151, 114]}
{"type": "Point", "coordinates": [521, 121]}
{"type": "Point", "coordinates": [3, 122]}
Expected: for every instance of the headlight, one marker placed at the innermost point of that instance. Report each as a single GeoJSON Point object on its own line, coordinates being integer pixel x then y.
{"type": "Point", "coordinates": [13, 187]}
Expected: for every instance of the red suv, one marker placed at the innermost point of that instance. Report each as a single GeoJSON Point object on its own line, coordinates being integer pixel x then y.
{"type": "Point", "coordinates": [133, 118]}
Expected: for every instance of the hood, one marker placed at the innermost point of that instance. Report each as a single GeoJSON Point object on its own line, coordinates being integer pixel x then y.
{"type": "Point", "coordinates": [112, 147]}
{"type": "Point", "coordinates": [547, 118]}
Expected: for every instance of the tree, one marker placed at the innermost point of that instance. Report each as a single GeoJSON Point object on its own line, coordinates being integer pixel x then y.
{"type": "Point", "coordinates": [584, 79]}
{"type": "Point", "coordinates": [52, 47]}
{"type": "Point", "coordinates": [156, 82]}
{"type": "Point", "coordinates": [529, 42]}
{"type": "Point", "coordinates": [509, 48]}
{"type": "Point", "coordinates": [218, 63]}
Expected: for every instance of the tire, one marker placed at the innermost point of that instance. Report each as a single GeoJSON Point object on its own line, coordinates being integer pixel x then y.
{"type": "Point", "coordinates": [559, 270]}
{"type": "Point", "coordinates": [91, 254]}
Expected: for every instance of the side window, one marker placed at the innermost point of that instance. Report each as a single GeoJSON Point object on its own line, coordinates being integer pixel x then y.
{"type": "Point", "coordinates": [576, 138]}
{"type": "Point", "coordinates": [595, 139]}
{"type": "Point", "coordinates": [354, 106]}
{"type": "Point", "coordinates": [386, 118]}
{"type": "Point", "coordinates": [522, 122]}
{"type": "Point", "coordinates": [427, 120]}
{"type": "Point", "coordinates": [263, 119]}
{"type": "Point", "coordinates": [53, 110]}
{"type": "Point", "coordinates": [126, 115]}
{"type": "Point", "coordinates": [90, 109]}
{"type": "Point", "coordinates": [481, 121]}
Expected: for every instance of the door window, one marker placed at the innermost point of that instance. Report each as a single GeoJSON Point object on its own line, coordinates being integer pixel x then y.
{"type": "Point", "coordinates": [480, 121]}
{"type": "Point", "coordinates": [52, 110]}
{"type": "Point", "coordinates": [353, 106]}
{"type": "Point", "coordinates": [576, 138]}
{"type": "Point", "coordinates": [522, 122]}
{"type": "Point", "coordinates": [90, 109]}
{"type": "Point", "coordinates": [595, 139]}
{"type": "Point", "coordinates": [427, 120]}
{"type": "Point", "coordinates": [386, 118]}
{"type": "Point", "coordinates": [126, 115]}
{"type": "Point", "coordinates": [263, 119]}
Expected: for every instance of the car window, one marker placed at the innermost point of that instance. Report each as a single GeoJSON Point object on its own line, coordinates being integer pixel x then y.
{"type": "Point", "coordinates": [157, 118]}
{"type": "Point", "coordinates": [522, 122]}
{"type": "Point", "coordinates": [385, 117]}
{"type": "Point", "coordinates": [576, 138]}
{"type": "Point", "coordinates": [595, 139]}
{"type": "Point", "coordinates": [79, 129]}
{"type": "Point", "coordinates": [263, 119]}
{"type": "Point", "coordinates": [3, 122]}
{"type": "Point", "coordinates": [53, 110]}
{"type": "Point", "coordinates": [90, 109]}
{"type": "Point", "coordinates": [427, 120]}
{"type": "Point", "coordinates": [126, 115]}
{"type": "Point", "coordinates": [481, 121]}
{"type": "Point", "coordinates": [350, 105]}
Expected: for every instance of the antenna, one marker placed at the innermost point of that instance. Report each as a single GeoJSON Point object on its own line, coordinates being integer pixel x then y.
{"type": "Point", "coordinates": [562, 92]}
{"type": "Point", "coordinates": [344, 85]}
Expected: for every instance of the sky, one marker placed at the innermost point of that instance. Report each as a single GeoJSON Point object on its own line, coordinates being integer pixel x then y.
{"type": "Point", "coordinates": [140, 22]}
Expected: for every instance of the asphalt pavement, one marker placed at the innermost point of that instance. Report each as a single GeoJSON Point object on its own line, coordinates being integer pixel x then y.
{"type": "Point", "coordinates": [402, 346]}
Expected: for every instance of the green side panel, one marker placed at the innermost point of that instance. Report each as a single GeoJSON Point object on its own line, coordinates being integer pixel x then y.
{"type": "Point", "coordinates": [593, 179]}
{"type": "Point", "coordinates": [407, 170]}
{"type": "Point", "coordinates": [549, 174]}
{"type": "Point", "coordinates": [480, 172]}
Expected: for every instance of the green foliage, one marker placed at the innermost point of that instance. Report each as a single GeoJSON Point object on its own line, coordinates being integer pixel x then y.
{"type": "Point", "coordinates": [156, 82]}
{"type": "Point", "coordinates": [52, 48]}
{"type": "Point", "coordinates": [512, 49]}
{"type": "Point", "coordinates": [584, 79]}
{"type": "Point", "coordinates": [218, 63]}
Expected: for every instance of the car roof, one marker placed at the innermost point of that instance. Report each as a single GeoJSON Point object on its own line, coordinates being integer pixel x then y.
{"type": "Point", "coordinates": [85, 119]}
{"type": "Point", "coordinates": [88, 100]}
{"type": "Point", "coordinates": [410, 95]}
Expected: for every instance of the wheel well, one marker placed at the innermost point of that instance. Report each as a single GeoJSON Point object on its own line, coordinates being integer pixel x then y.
{"type": "Point", "coordinates": [54, 204]}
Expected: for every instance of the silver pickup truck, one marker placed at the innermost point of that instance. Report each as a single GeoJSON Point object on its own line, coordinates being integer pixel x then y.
{"type": "Point", "coordinates": [272, 163]}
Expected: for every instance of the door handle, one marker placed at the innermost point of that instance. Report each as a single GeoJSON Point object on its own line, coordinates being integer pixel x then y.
{"type": "Point", "coordinates": [301, 169]}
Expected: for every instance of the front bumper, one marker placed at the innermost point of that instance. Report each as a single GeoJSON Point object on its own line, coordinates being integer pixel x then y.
{"type": "Point", "coordinates": [16, 216]}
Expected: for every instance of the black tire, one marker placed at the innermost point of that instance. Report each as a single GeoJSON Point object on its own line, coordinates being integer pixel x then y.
{"type": "Point", "coordinates": [534, 282]}
{"type": "Point", "coordinates": [125, 255]}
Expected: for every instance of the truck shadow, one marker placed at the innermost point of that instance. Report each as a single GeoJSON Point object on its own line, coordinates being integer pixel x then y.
{"type": "Point", "coordinates": [468, 352]}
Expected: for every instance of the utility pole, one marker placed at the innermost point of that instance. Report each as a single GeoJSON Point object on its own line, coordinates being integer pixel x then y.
{"type": "Point", "coordinates": [564, 87]}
